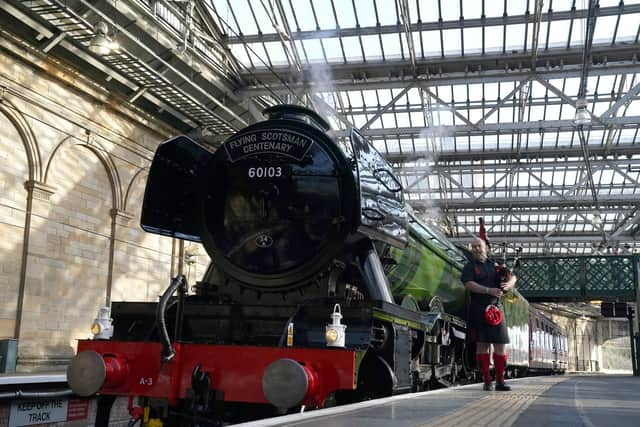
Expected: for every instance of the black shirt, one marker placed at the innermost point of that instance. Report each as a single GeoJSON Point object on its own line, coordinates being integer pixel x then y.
{"type": "Point", "coordinates": [483, 273]}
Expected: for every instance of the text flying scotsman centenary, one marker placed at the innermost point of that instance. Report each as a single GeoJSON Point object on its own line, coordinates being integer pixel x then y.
{"type": "Point", "coordinates": [277, 141]}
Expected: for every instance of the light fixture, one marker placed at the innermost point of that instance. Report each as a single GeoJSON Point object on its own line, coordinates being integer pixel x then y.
{"type": "Point", "coordinates": [101, 44]}
{"type": "Point", "coordinates": [582, 116]}
{"type": "Point", "coordinates": [596, 220]}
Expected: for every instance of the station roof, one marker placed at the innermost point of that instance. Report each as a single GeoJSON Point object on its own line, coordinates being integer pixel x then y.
{"type": "Point", "coordinates": [473, 102]}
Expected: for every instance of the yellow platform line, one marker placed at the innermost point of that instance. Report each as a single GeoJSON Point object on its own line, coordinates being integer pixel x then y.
{"type": "Point", "coordinates": [500, 409]}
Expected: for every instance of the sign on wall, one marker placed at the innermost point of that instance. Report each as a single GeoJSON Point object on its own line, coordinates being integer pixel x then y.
{"type": "Point", "coordinates": [44, 411]}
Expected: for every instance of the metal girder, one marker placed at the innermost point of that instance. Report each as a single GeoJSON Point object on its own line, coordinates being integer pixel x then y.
{"type": "Point", "coordinates": [518, 238]}
{"type": "Point", "coordinates": [93, 62]}
{"type": "Point", "coordinates": [536, 233]}
{"type": "Point", "coordinates": [532, 164]}
{"type": "Point", "coordinates": [452, 180]}
{"type": "Point", "coordinates": [386, 108]}
{"type": "Point", "coordinates": [565, 97]}
{"type": "Point", "coordinates": [627, 97]}
{"type": "Point", "coordinates": [448, 106]}
{"type": "Point", "coordinates": [531, 201]}
{"type": "Point", "coordinates": [177, 84]}
{"type": "Point", "coordinates": [621, 172]}
{"type": "Point", "coordinates": [566, 192]}
{"type": "Point", "coordinates": [507, 98]}
{"type": "Point", "coordinates": [433, 26]}
{"type": "Point", "coordinates": [406, 26]}
{"type": "Point", "coordinates": [142, 50]}
{"type": "Point", "coordinates": [468, 65]}
{"type": "Point", "coordinates": [394, 81]}
{"type": "Point", "coordinates": [531, 153]}
{"type": "Point", "coordinates": [472, 212]}
{"type": "Point", "coordinates": [459, 107]}
{"type": "Point", "coordinates": [494, 128]}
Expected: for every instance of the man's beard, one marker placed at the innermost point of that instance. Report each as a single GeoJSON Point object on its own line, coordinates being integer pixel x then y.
{"type": "Point", "coordinates": [480, 257]}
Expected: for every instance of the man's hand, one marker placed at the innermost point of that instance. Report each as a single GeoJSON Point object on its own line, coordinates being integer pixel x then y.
{"type": "Point", "coordinates": [495, 292]}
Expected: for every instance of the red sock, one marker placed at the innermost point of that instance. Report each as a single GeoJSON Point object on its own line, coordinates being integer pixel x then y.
{"type": "Point", "coordinates": [499, 362]}
{"type": "Point", "coordinates": [483, 364]}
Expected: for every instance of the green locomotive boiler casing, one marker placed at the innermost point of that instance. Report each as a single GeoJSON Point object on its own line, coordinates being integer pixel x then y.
{"type": "Point", "coordinates": [429, 266]}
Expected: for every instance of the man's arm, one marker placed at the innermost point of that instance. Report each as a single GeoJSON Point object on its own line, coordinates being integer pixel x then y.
{"type": "Point", "coordinates": [477, 288]}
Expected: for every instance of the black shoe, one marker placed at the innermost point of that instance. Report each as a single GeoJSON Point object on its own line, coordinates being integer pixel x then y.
{"type": "Point", "coordinates": [502, 387]}
{"type": "Point", "coordinates": [487, 387]}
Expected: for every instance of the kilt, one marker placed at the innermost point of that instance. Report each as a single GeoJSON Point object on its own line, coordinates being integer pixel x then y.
{"type": "Point", "coordinates": [482, 331]}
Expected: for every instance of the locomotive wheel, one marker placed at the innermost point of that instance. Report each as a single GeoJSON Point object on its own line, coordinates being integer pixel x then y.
{"type": "Point", "coordinates": [375, 379]}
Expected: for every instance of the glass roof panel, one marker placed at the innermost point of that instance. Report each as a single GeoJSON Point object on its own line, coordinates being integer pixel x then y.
{"type": "Point", "coordinates": [366, 13]}
{"type": "Point", "coordinates": [538, 90]}
{"type": "Point", "coordinates": [265, 16]}
{"type": "Point", "coordinates": [452, 43]}
{"type": "Point", "coordinates": [600, 107]}
{"type": "Point", "coordinates": [450, 10]}
{"type": "Point", "coordinates": [355, 98]}
{"type": "Point", "coordinates": [442, 117]}
{"type": "Point", "coordinates": [413, 95]}
{"type": "Point", "coordinates": [492, 9]}
{"type": "Point", "coordinates": [384, 95]}
{"type": "Point", "coordinates": [403, 120]}
{"type": "Point", "coordinates": [371, 46]}
{"type": "Point", "coordinates": [471, 9]}
{"type": "Point", "coordinates": [387, 12]}
{"type": "Point", "coordinates": [370, 98]}
{"type": "Point", "coordinates": [332, 49]}
{"type": "Point", "coordinates": [402, 99]}
{"type": "Point", "coordinates": [226, 15]}
{"type": "Point", "coordinates": [552, 112]}
{"type": "Point", "coordinates": [493, 38]}
{"type": "Point", "coordinates": [352, 49]}
{"type": "Point", "coordinates": [608, 3]}
{"type": "Point", "coordinates": [314, 51]}
{"type": "Point", "coordinates": [276, 53]}
{"type": "Point", "coordinates": [431, 43]}
{"type": "Point", "coordinates": [560, 5]}
{"type": "Point", "coordinates": [633, 109]}
{"type": "Point", "coordinates": [428, 11]}
{"type": "Point", "coordinates": [324, 13]}
{"type": "Point", "coordinates": [559, 33]}
{"type": "Point", "coordinates": [577, 32]}
{"type": "Point", "coordinates": [472, 40]}
{"type": "Point", "coordinates": [257, 54]}
{"type": "Point", "coordinates": [240, 53]}
{"type": "Point", "coordinates": [628, 27]}
{"type": "Point", "coordinates": [515, 37]}
{"type": "Point", "coordinates": [604, 29]}
{"type": "Point", "coordinates": [304, 15]}
{"type": "Point", "coordinates": [391, 45]}
{"type": "Point", "coordinates": [516, 7]}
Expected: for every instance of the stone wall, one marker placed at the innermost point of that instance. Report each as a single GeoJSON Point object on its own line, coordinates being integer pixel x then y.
{"type": "Point", "coordinates": [73, 165]}
{"type": "Point", "coordinates": [595, 344]}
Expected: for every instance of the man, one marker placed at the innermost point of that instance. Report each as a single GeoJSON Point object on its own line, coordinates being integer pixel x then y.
{"type": "Point", "coordinates": [480, 278]}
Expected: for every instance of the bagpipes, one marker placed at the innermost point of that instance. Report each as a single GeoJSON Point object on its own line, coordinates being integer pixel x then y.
{"type": "Point", "coordinates": [493, 315]}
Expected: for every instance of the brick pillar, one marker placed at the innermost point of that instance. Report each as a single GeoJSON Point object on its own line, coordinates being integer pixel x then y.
{"type": "Point", "coordinates": [119, 218]}
{"type": "Point", "coordinates": [38, 197]}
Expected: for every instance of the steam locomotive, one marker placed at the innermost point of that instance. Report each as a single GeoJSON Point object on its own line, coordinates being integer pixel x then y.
{"type": "Point", "coordinates": [324, 287]}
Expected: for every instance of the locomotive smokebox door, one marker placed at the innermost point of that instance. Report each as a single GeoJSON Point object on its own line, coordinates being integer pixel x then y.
{"type": "Point", "coordinates": [276, 201]}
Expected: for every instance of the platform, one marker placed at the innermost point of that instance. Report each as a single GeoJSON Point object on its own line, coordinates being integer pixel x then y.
{"type": "Point", "coordinates": [570, 400]}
